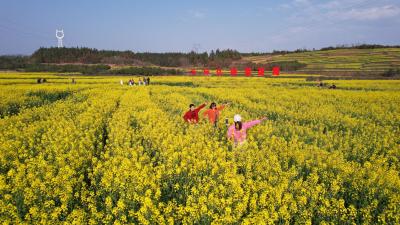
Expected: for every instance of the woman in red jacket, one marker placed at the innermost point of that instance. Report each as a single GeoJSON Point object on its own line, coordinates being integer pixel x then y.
{"type": "Point", "coordinates": [192, 116]}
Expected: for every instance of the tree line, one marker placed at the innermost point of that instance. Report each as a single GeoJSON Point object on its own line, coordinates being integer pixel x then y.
{"type": "Point", "coordinates": [169, 59]}
{"type": "Point", "coordinates": [13, 62]}
{"type": "Point", "coordinates": [92, 61]}
{"type": "Point", "coordinates": [101, 69]}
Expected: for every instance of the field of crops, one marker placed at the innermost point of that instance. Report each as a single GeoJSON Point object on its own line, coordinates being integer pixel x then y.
{"type": "Point", "coordinates": [372, 60]}
{"type": "Point", "coordinates": [98, 152]}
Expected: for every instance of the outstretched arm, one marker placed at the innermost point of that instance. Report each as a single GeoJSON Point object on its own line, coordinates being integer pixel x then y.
{"type": "Point", "coordinates": [247, 125]}
{"type": "Point", "coordinates": [253, 123]}
{"type": "Point", "coordinates": [221, 107]}
{"type": "Point", "coordinates": [200, 107]}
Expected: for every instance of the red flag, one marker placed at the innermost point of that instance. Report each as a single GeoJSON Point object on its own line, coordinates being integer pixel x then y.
{"type": "Point", "coordinates": [219, 72]}
{"type": "Point", "coordinates": [261, 72]}
{"type": "Point", "coordinates": [276, 71]}
{"type": "Point", "coordinates": [247, 72]}
{"type": "Point", "coordinates": [233, 71]}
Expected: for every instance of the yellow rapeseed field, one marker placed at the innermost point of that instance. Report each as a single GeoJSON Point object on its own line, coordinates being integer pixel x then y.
{"type": "Point", "coordinates": [97, 152]}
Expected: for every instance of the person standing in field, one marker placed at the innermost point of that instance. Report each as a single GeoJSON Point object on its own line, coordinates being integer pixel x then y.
{"type": "Point", "coordinates": [148, 80]}
{"type": "Point", "coordinates": [192, 116]}
{"type": "Point", "coordinates": [144, 81]}
{"type": "Point", "coordinates": [214, 112]}
{"type": "Point", "coordinates": [238, 131]}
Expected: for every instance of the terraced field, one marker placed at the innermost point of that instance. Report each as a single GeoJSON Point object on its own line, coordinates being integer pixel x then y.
{"type": "Point", "coordinates": [375, 60]}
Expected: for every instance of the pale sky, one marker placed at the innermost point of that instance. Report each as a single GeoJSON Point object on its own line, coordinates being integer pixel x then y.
{"type": "Point", "coordinates": [172, 26]}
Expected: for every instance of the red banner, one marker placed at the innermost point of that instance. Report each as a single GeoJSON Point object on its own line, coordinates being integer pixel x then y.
{"type": "Point", "coordinates": [219, 72]}
{"type": "Point", "coordinates": [261, 72]}
{"type": "Point", "coordinates": [247, 72]}
{"type": "Point", "coordinates": [233, 71]}
{"type": "Point", "coordinates": [276, 71]}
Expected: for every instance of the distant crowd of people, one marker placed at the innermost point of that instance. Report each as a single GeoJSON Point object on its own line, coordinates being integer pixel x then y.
{"type": "Point", "coordinates": [142, 82]}
{"type": "Point", "coordinates": [322, 85]}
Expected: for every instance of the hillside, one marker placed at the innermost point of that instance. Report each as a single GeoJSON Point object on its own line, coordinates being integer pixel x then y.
{"type": "Point", "coordinates": [355, 62]}
{"type": "Point", "coordinates": [341, 60]}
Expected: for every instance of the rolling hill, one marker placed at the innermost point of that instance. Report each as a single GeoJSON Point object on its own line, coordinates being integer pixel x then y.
{"type": "Point", "coordinates": [338, 61]}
